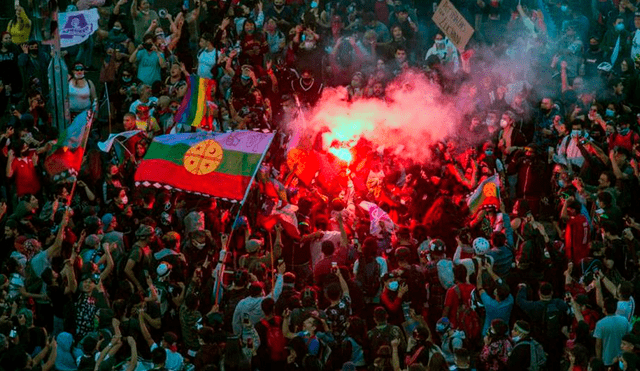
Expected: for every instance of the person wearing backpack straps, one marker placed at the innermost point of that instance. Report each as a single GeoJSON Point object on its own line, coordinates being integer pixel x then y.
{"type": "Point", "coordinates": [550, 316]}
{"type": "Point", "coordinates": [271, 352]}
{"type": "Point", "coordinates": [526, 354]}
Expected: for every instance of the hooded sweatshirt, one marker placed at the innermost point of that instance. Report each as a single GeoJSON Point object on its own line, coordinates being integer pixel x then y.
{"type": "Point", "coordinates": [64, 359]}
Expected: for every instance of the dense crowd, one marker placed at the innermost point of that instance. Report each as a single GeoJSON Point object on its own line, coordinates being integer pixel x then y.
{"type": "Point", "coordinates": [101, 274]}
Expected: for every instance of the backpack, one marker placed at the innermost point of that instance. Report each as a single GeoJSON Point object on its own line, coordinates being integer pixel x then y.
{"type": "Point", "coordinates": [538, 356]}
{"type": "Point", "coordinates": [445, 273]}
{"type": "Point", "coordinates": [551, 320]}
{"type": "Point", "coordinates": [368, 278]}
{"type": "Point", "coordinates": [275, 340]}
{"type": "Point", "coordinates": [468, 320]}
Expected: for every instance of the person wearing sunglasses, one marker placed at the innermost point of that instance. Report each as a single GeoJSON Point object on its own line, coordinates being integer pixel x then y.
{"type": "Point", "coordinates": [82, 92]}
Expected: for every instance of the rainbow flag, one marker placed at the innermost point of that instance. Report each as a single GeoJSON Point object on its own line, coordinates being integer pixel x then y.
{"type": "Point", "coordinates": [487, 193]}
{"type": "Point", "coordinates": [221, 165]}
{"type": "Point", "coordinates": [194, 108]}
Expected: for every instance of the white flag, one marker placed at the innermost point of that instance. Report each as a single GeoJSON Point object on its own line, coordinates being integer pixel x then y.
{"type": "Point", "coordinates": [77, 27]}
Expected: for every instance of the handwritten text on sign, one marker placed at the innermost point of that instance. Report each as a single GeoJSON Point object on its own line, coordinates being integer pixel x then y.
{"type": "Point", "coordinates": [453, 24]}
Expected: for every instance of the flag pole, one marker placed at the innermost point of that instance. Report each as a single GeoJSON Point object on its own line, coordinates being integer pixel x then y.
{"type": "Point", "coordinates": [221, 264]}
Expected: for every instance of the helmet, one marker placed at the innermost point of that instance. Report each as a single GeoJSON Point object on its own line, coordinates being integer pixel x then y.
{"type": "Point", "coordinates": [437, 246]}
{"type": "Point", "coordinates": [481, 245]}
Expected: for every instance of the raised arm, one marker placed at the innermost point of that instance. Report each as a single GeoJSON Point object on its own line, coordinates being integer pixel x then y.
{"type": "Point", "coordinates": [134, 9]}
{"type": "Point", "coordinates": [285, 325]}
{"type": "Point", "coordinates": [144, 329]}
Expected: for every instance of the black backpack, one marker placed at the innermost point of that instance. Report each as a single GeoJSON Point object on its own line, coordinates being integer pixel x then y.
{"type": "Point", "coordinates": [551, 320]}
{"type": "Point", "coordinates": [368, 278]}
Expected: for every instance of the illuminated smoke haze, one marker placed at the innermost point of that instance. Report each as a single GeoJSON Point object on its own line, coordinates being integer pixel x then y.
{"type": "Point", "coordinates": [415, 115]}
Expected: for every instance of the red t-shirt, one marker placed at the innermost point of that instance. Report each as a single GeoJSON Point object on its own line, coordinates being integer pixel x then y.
{"type": "Point", "coordinates": [451, 300]}
{"type": "Point", "coordinates": [25, 175]}
{"type": "Point", "coordinates": [576, 238]}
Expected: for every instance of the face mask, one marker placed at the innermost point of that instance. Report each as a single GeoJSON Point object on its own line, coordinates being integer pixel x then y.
{"type": "Point", "coordinates": [308, 45]}
{"type": "Point", "coordinates": [564, 8]}
{"type": "Point", "coordinates": [225, 117]}
{"type": "Point", "coordinates": [79, 75]}
{"type": "Point", "coordinates": [393, 286]}
{"type": "Point", "coordinates": [516, 339]}
{"type": "Point", "coordinates": [575, 133]}
{"type": "Point", "coordinates": [490, 122]}
{"type": "Point", "coordinates": [593, 47]}
{"type": "Point", "coordinates": [6, 43]}
{"type": "Point", "coordinates": [488, 152]}
{"type": "Point", "coordinates": [198, 245]}
{"type": "Point", "coordinates": [33, 51]}
{"type": "Point", "coordinates": [561, 183]}
{"type": "Point", "coordinates": [609, 113]}
{"type": "Point", "coordinates": [440, 42]}
{"type": "Point", "coordinates": [148, 46]}
{"type": "Point", "coordinates": [441, 328]}
{"type": "Point", "coordinates": [126, 79]}
{"type": "Point", "coordinates": [623, 131]}
{"type": "Point", "coordinates": [124, 200]}
{"type": "Point", "coordinates": [620, 27]}
{"type": "Point", "coordinates": [503, 123]}
{"type": "Point", "coordinates": [250, 31]}
{"type": "Point", "coordinates": [245, 78]}
{"type": "Point", "coordinates": [116, 31]}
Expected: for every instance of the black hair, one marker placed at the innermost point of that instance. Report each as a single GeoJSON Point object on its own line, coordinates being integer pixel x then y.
{"type": "Point", "coordinates": [610, 305]}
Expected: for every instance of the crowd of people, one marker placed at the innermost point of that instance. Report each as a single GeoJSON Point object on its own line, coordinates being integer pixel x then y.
{"type": "Point", "coordinates": [385, 267]}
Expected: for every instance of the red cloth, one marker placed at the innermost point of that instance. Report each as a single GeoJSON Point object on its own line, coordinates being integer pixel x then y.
{"type": "Point", "coordinates": [576, 239]}
{"type": "Point", "coordinates": [25, 175]}
{"type": "Point", "coordinates": [382, 11]}
{"type": "Point", "coordinates": [624, 141]}
{"type": "Point", "coordinates": [451, 300]}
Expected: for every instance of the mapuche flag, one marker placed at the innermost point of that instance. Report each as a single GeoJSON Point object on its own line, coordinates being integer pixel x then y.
{"type": "Point", "coordinates": [487, 193]}
{"type": "Point", "coordinates": [66, 154]}
{"type": "Point", "coordinates": [215, 164]}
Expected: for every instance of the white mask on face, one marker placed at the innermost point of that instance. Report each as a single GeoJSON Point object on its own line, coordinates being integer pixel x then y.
{"type": "Point", "coordinates": [198, 245]}
{"type": "Point", "coordinates": [124, 200]}
{"type": "Point", "coordinates": [504, 124]}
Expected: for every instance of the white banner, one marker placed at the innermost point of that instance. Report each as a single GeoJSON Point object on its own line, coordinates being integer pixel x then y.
{"type": "Point", "coordinates": [77, 27]}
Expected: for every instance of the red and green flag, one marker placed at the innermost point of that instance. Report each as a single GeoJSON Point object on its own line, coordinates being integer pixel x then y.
{"type": "Point", "coordinates": [66, 155]}
{"type": "Point", "coordinates": [194, 109]}
{"type": "Point", "coordinates": [222, 165]}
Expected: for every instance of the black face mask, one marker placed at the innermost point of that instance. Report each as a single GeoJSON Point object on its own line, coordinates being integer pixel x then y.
{"type": "Point", "coordinates": [148, 46]}
{"type": "Point", "coordinates": [33, 51]}
{"type": "Point", "coordinates": [593, 47]}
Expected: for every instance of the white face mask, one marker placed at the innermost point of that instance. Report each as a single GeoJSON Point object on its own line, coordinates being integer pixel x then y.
{"type": "Point", "coordinates": [124, 200]}
{"type": "Point", "coordinates": [504, 124]}
{"type": "Point", "coordinates": [515, 339]}
{"type": "Point", "coordinates": [198, 245]}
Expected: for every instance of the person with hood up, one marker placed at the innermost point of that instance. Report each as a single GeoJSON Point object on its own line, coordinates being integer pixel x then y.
{"type": "Point", "coordinates": [65, 360]}
{"type": "Point", "coordinates": [252, 305]}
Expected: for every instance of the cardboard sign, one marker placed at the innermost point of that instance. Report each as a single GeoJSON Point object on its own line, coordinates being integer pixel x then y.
{"type": "Point", "coordinates": [453, 24]}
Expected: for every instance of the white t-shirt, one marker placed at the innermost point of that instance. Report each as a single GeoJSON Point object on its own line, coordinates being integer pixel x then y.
{"type": "Point", "coordinates": [206, 61]}
{"type": "Point", "coordinates": [174, 359]}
